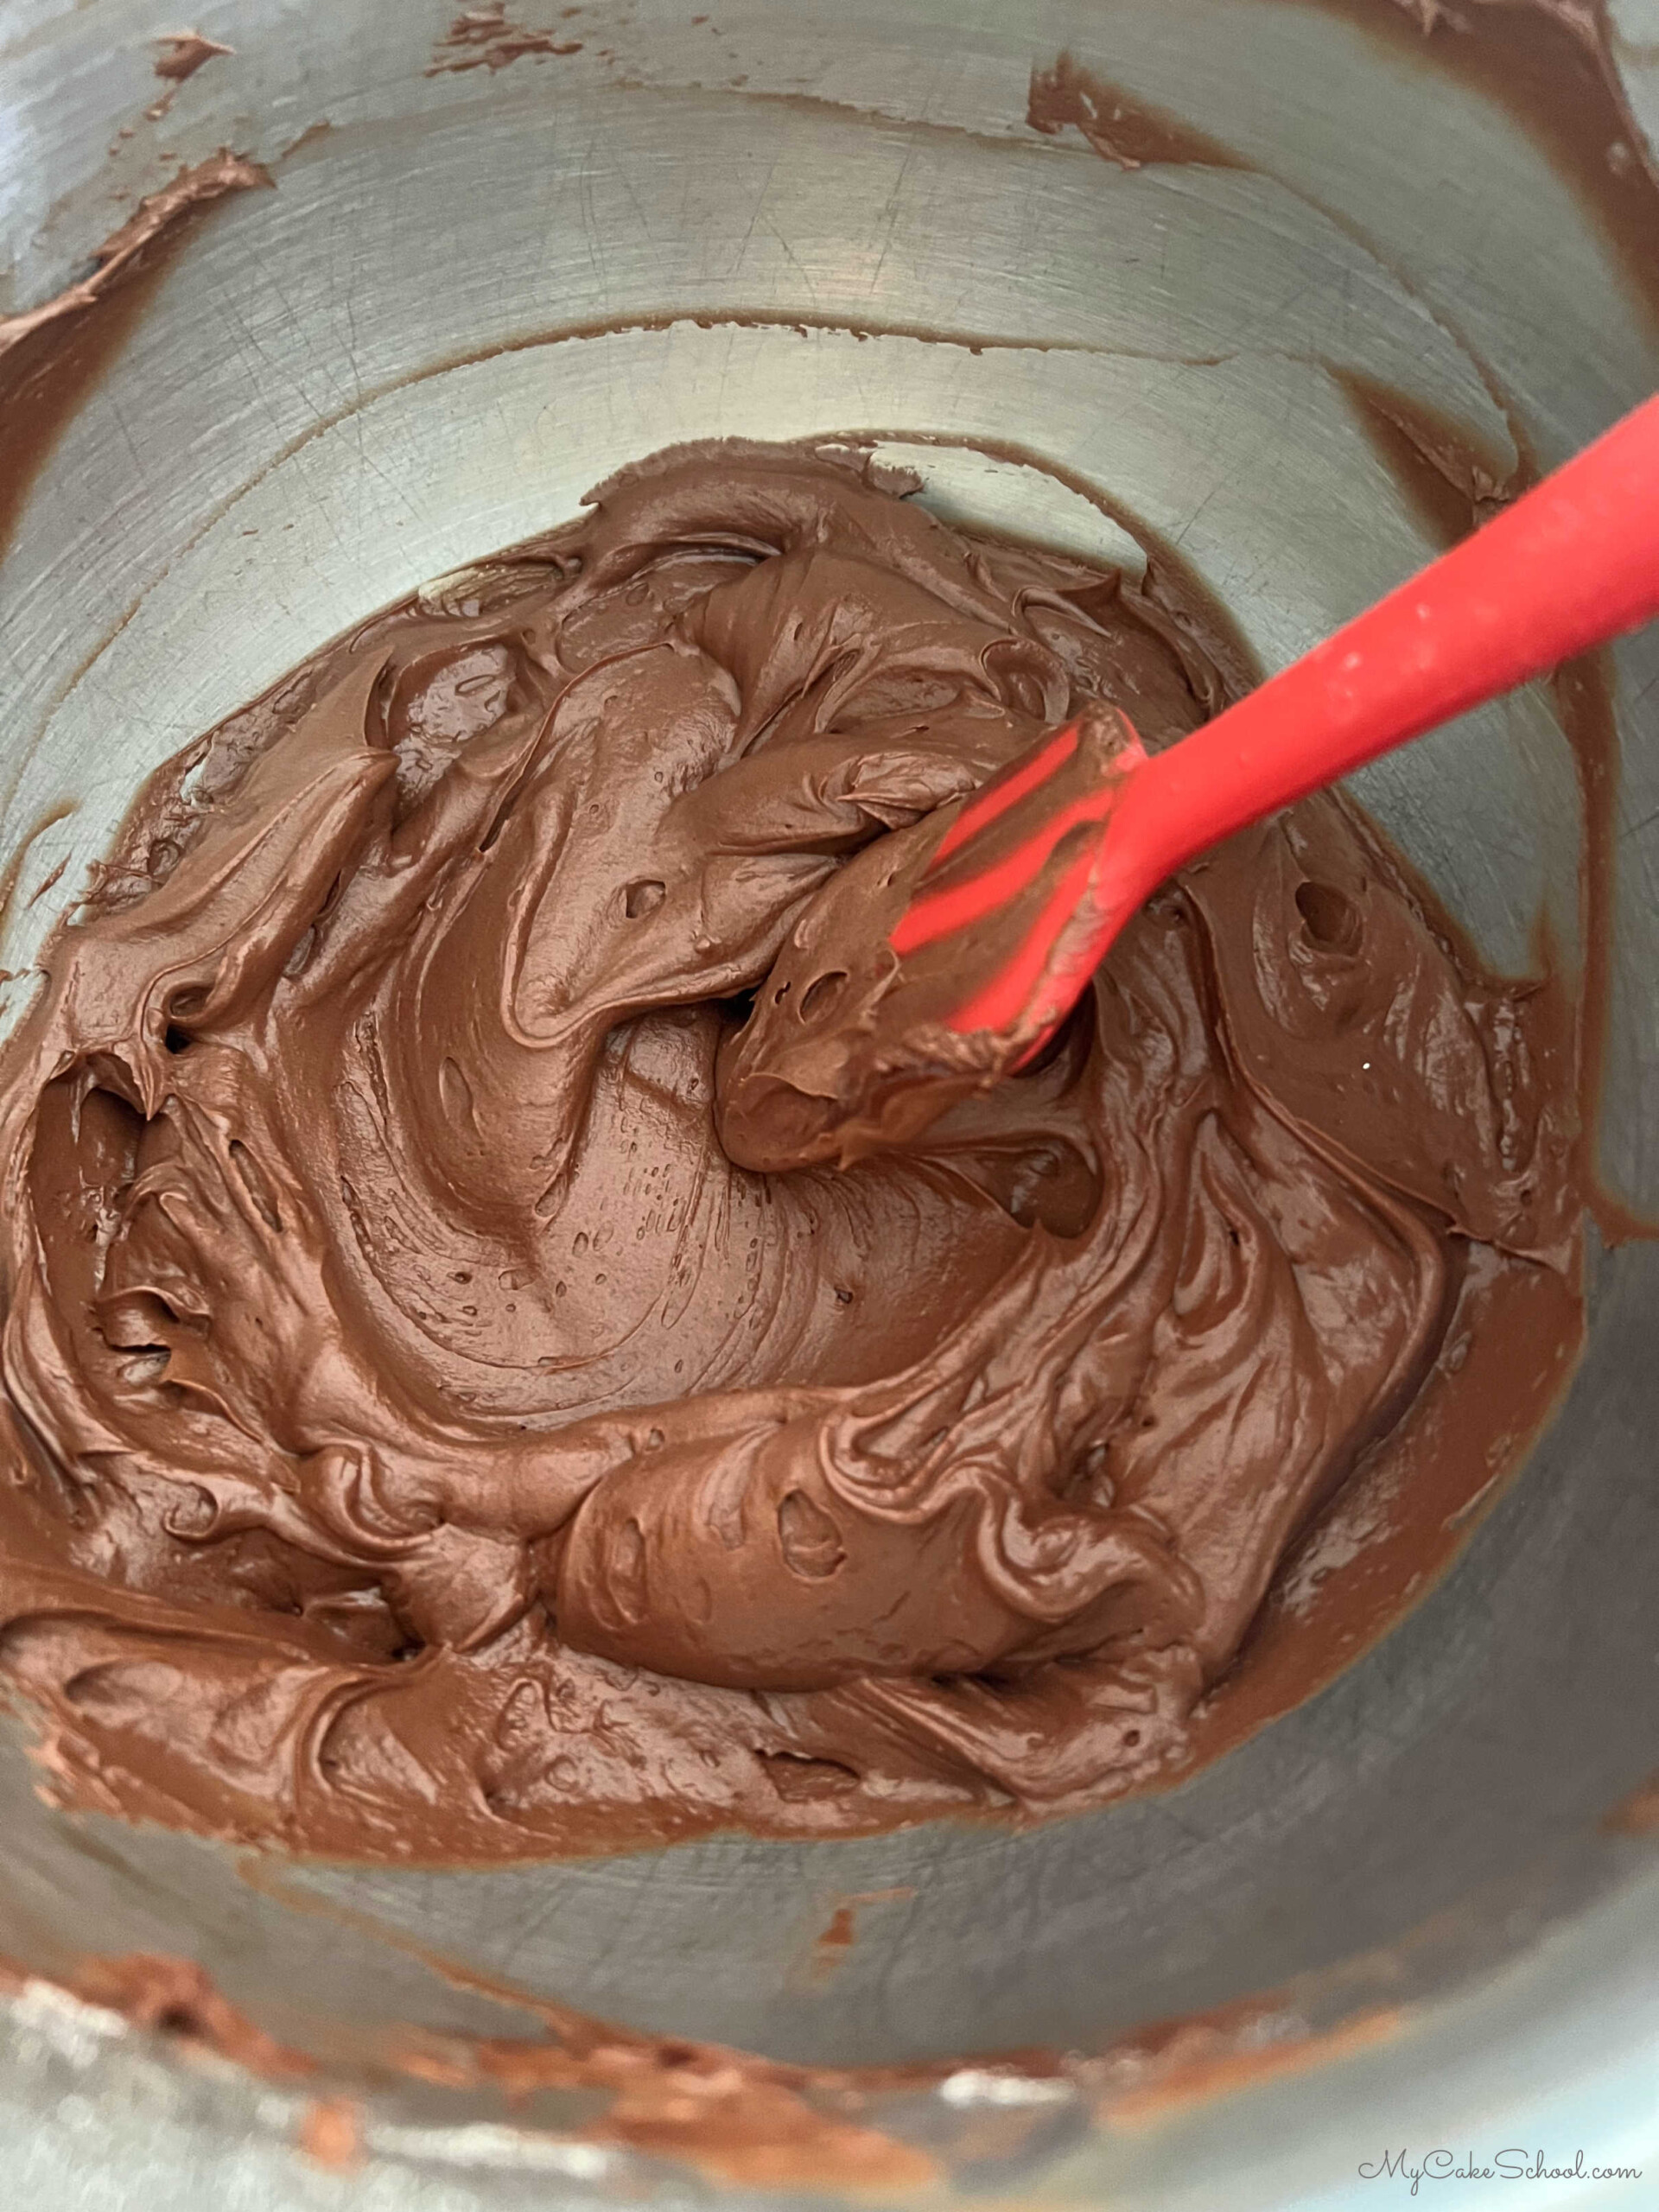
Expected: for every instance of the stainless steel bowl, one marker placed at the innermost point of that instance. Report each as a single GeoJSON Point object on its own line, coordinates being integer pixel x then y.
{"type": "Point", "coordinates": [470, 295]}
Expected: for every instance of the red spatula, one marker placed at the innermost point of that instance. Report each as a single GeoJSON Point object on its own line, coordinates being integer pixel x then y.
{"type": "Point", "coordinates": [943, 956]}
{"type": "Point", "coordinates": [1036, 875]}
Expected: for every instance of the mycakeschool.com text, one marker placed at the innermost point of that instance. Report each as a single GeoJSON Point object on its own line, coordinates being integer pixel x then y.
{"type": "Point", "coordinates": [1415, 2167]}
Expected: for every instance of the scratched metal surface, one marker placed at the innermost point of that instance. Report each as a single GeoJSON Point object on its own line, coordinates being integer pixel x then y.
{"type": "Point", "coordinates": [440, 327]}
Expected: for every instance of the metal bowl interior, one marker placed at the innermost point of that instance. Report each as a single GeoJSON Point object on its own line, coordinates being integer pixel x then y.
{"type": "Point", "coordinates": [469, 296]}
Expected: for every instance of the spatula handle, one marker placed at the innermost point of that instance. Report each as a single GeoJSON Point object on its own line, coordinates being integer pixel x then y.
{"type": "Point", "coordinates": [1572, 562]}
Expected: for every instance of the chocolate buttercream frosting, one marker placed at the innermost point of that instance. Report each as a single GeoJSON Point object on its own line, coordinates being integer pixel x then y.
{"type": "Point", "coordinates": [450, 1406]}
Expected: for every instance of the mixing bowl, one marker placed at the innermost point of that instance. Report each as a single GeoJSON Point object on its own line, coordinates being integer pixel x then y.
{"type": "Point", "coordinates": [472, 292]}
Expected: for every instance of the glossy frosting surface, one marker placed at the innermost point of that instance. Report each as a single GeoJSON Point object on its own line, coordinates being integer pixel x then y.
{"type": "Point", "coordinates": [422, 1434]}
